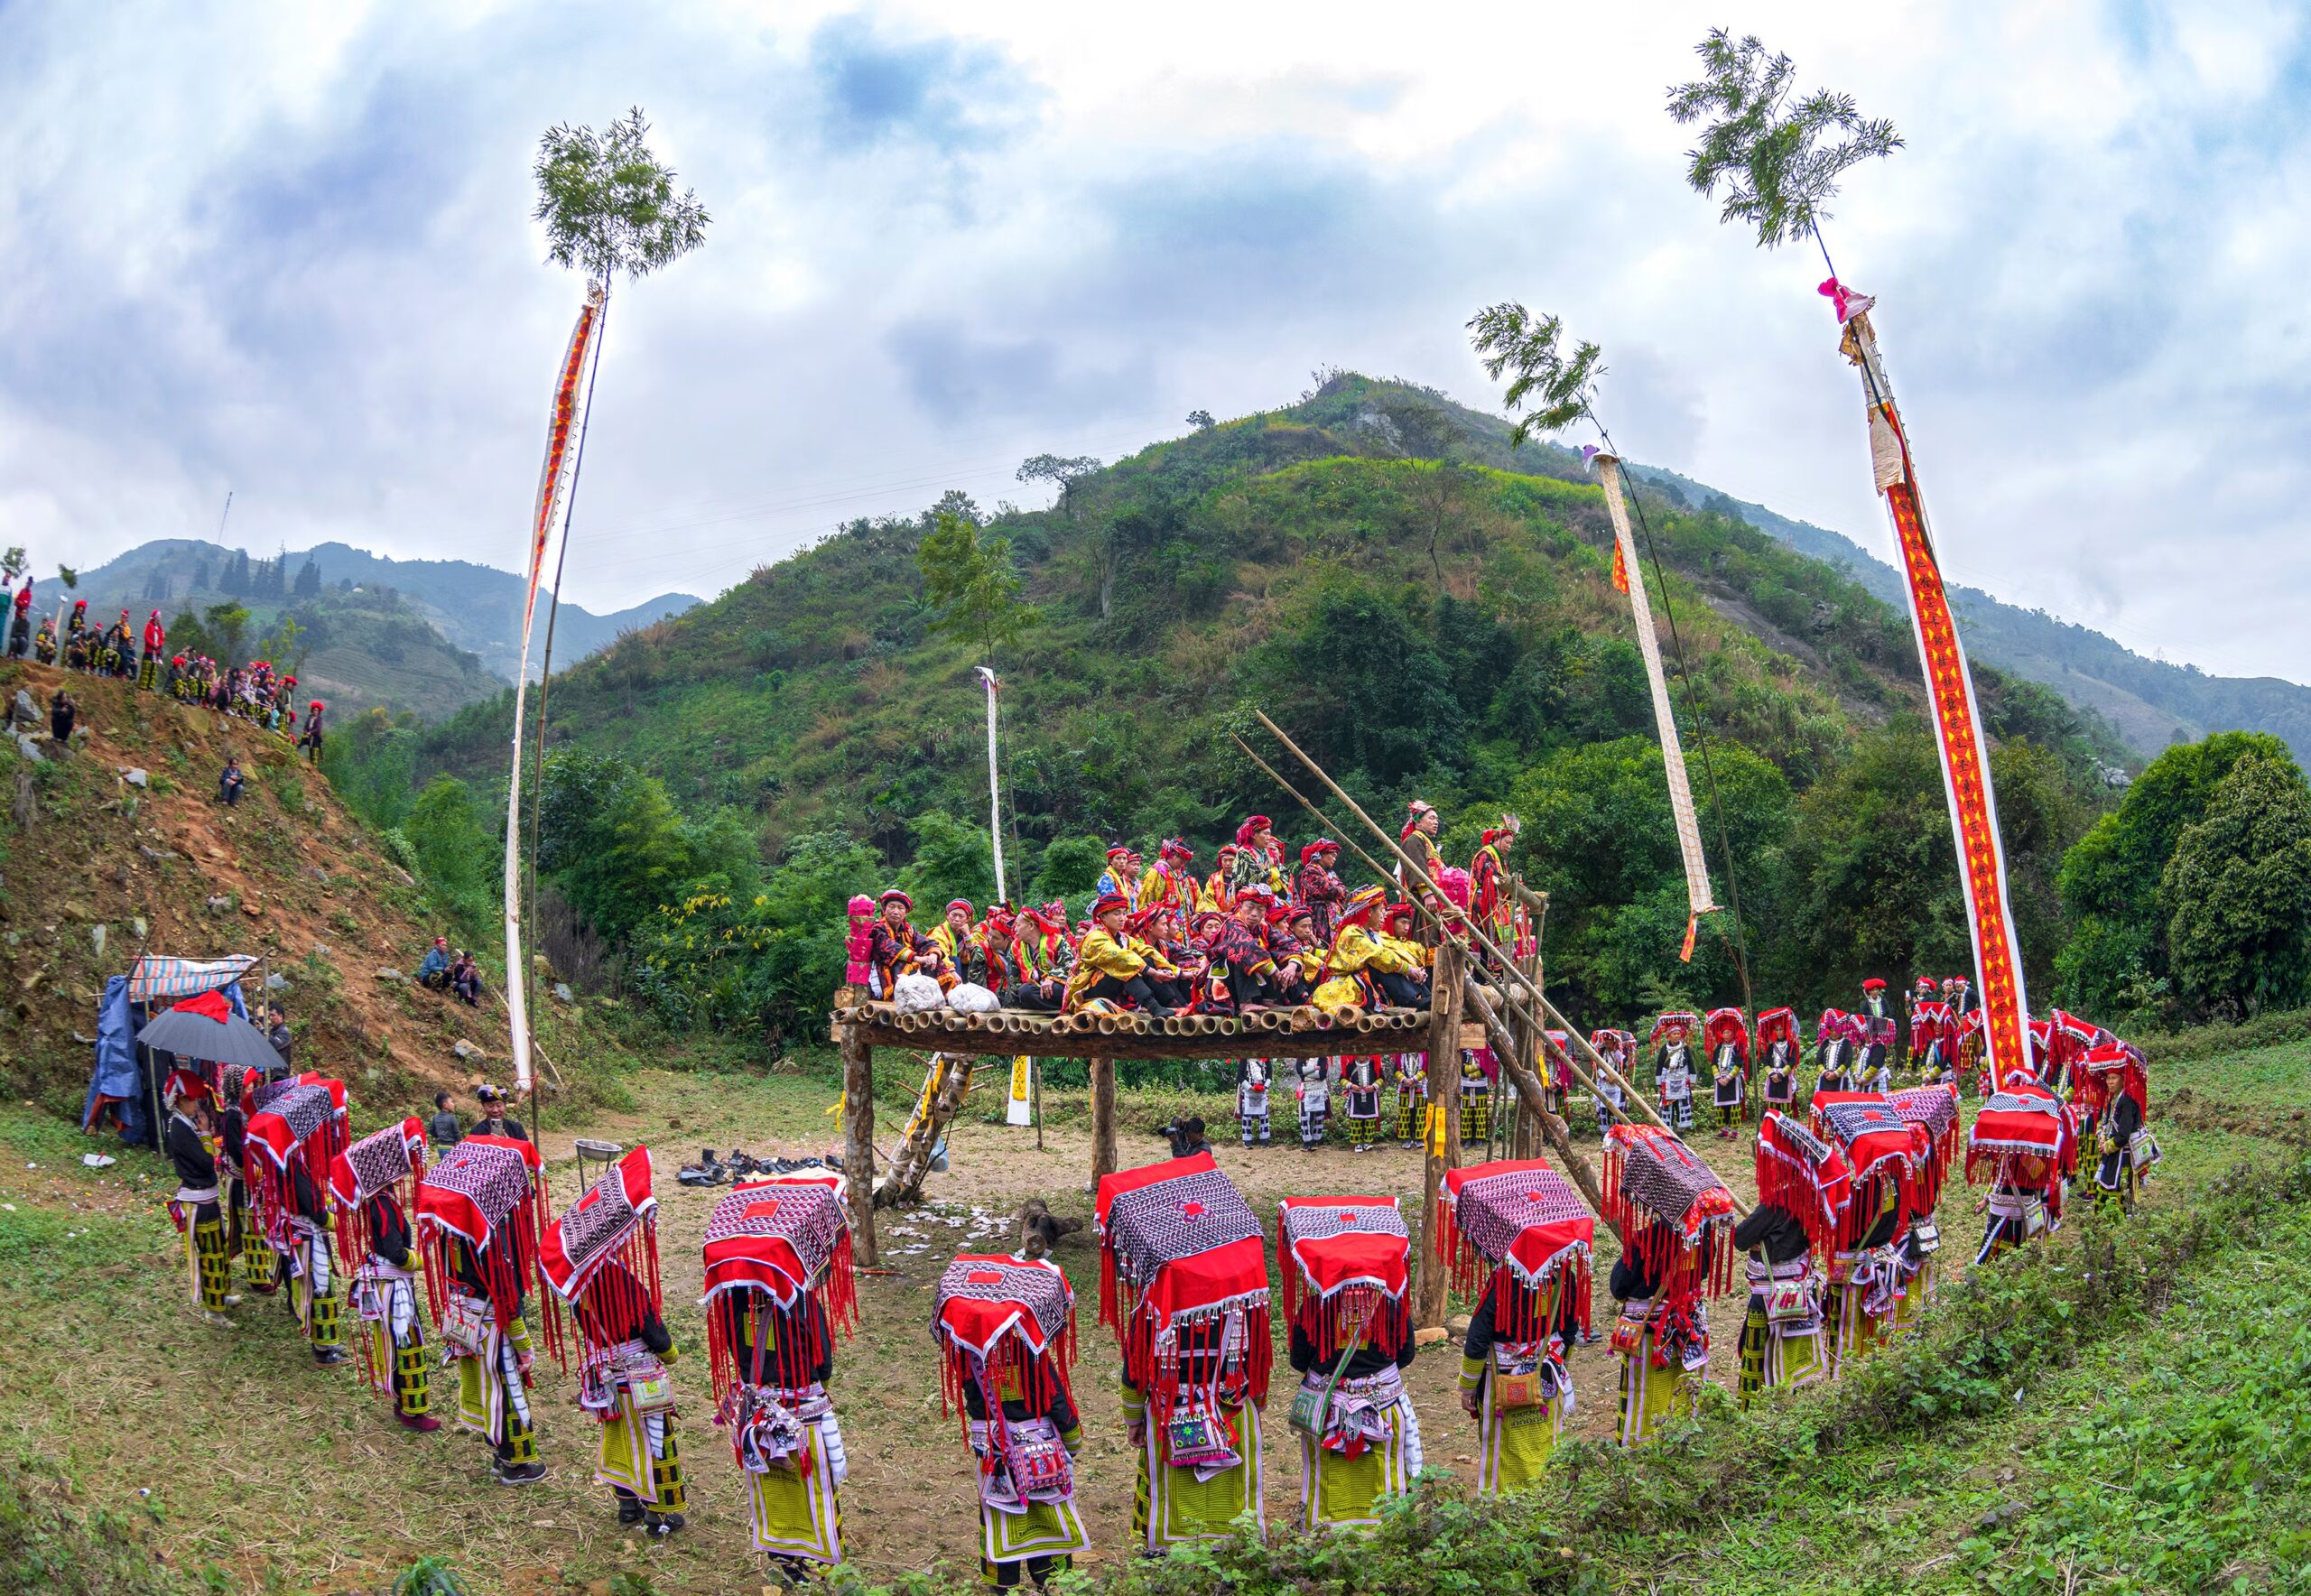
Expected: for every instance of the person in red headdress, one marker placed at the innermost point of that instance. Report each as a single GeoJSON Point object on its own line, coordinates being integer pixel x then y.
{"type": "Point", "coordinates": [120, 648]}
{"type": "Point", "coordinates": [969, 950]}
{"type": "Point", "coordinates": [1875, 1072]}
{"type": "Point", "coordinates": [310, 741]}
{"type": "Point", "coordinates": [1041, 959]}
{"type": "Point", "coordinates": [1119, 879]}
{"type": "Point", "coordinates": [1319, 889]}
{"type": "Point", "coordinates": [156, 638]}
{"type": "Point", "coordinates": [20, 629]}
{"type": "Point", "coordinates": [1259, 860]}
{"type": "Point", "coordinates": [75, 636]}
{"type": "Point", "coordinates": [1218, 896]}
{"type": "Point", "coordinates": [192, 1149]}
{"type": "Point", "coordinates": [1418, 839]}
{"type": "Point", "coordinates": [897, 949]}
{"type": "Point", "coordinates": [1493, 906]}
{"type": "Point", "coordinates": [1170, 882]}
{"type": "Point", "coordinates": [1108, 969]}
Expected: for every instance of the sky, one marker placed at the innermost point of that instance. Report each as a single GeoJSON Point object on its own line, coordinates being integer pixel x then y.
{"type": "Point", "coordinates": [286, 252]}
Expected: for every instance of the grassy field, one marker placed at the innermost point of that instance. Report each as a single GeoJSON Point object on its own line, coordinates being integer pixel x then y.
{"type": "Point", "coordinates": [2070, 1421]}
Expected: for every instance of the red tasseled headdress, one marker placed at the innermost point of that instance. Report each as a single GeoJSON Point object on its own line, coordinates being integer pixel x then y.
{"type": "Point", "coordinates": [1346, 1266]}
{"type": "Point", "coordinates": [1007, 1325]}
{"type": "Point", "coordinates": [1666, 1204]}
{"type": "Point", "coordinates": [376, 1178]}
{"type": "Point", "coordinates": [1509, 1230]}
{"type": "Point", "coordinates": [779, 1240]}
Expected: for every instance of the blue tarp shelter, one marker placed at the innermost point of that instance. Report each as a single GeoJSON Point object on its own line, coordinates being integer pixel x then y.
{"type": "Point", "coordinates": [125, 1080]}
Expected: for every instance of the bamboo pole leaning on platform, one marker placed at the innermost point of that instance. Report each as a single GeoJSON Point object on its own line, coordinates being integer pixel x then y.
{"type": "Point", "coordinates": [1559, 1135]}
{"type": "Point", "coordinates": [1446, 906]}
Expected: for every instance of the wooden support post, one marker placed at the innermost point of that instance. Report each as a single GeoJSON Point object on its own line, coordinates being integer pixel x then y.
{"type": "Point", "coordinates": [1444, 1101]}
{"type": "Point", "coordinates": [943, 1091]}
{"type": "Point", "coordinates": [858, 1140]}
{"type": "Point", "coordinates": [1103, 1121]}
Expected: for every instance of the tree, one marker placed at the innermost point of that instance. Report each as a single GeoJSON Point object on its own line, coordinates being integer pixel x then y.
{"type": "Point", "coordinates": [968, 575]}
{"type": "Point", "coordinates": [235, 581]}
{"type": "Point", "coordinates": [952, 859]}
{"type": "Point", "coordinates": [609, 205]}
{"type": "Point", "coordinates": [228, 628]}
{"type": "Point", "coordinates": [1105, 550]}
{"type": "Point", "coordinates": [1201, 420]}
{"type": "Point", "coordinates": [1765, 151]}
{"type": "Point", "coordinates": [1509, 338]}
{"type": "Point", "coordinates": [309, 580]}
{"type": "Point", "coordinates": [200, 575]}
{"type": "Point", "coordinates": [2109, 880]}
{"type": "Point", "coordinates": [450, 837]}
{"type": "Point", "coordinates": [2238, 892]}
{"type": "Point", "coordinates": [287, 648]}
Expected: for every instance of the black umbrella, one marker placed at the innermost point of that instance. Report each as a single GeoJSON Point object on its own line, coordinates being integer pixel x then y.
{"type": "Point", "coordinates": [192, 1035]}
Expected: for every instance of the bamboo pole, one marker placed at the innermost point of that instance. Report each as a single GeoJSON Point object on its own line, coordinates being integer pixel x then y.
{"type": "Point", "coordinates": [858, 1141]}
{"type": "Point", "coordinates": [1446, 906]}
{"type": "Point", "coordinates": [1560, 1135]}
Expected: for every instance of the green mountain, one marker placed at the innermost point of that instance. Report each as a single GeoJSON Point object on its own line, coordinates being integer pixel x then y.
{"type": "Point", "coordinates": [2151, 703]}
{"type": "Point", "coordinates": [1430, 615]}
{"type": "Point", "coordinates": [475, 608]}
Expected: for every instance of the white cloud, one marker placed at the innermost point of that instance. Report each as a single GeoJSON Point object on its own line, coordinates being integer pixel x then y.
{"type": "Point", "coordinates": [287, 252]}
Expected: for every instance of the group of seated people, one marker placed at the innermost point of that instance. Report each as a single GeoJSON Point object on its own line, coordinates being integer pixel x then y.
{"type": "Point", "coordinates": [457, 972]}
{"type": "Point", "coordinates": [1161, 942]}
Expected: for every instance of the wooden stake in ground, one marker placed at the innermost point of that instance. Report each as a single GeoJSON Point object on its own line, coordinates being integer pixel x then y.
{"type": "Point", "coordinates": [858, 1140]}
{"type": "Point", "coordinates": [1444, 1103]}
{"type": "Point", "coordinates": [1103, 1121]}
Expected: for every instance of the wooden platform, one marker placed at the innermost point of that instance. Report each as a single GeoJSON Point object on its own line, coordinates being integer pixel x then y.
{"type": "Point", "coordinates": [1273, 1032]}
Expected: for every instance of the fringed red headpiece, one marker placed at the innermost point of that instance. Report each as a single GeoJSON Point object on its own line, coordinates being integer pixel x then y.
{"type": "Point", "coordinates": [1346, 1264]}
{"type": "Point", "coordinates": [778, 1241]}
{"type": "Point", "coordinates": [484, 1203]}
{"type": "Point", "coordinates": [601, 1259]}
{"type": "Point", "coordinates": [1668, 1206]}
{"type": "Point", "coordinates": [1507, 1231]}
{"type": "Point", "coordinates": [1804, 1174]}
{"type": "Point", "coordinates": [2022, 1137]}
{"type": "Point", "coordinates": [1882, 1149]}
{"type": "Point", "coordinates": [1934, 1110]}
{"type": "Point", "coordinates": [301, 1124]}
{"type": "Point", "coordinates": [1007, 1325]}
{"type": "Point", "coordinates": [1183, 1280]}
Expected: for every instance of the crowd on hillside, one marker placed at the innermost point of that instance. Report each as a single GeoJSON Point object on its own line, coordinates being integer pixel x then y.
{"type": "Point", "coordinates": [255, 692]}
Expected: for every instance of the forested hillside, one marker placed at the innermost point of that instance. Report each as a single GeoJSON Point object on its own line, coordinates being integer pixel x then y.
{"type": "Point", "coordinates": [1367, 567]}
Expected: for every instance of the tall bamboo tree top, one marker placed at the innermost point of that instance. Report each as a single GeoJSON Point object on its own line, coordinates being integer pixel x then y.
{"type": "Point", "coordinates": [1767, 152]}
{"type": "Point", "coordinates": [609, 205]}
{"type": "Point", "coordinates": [1509, 338]}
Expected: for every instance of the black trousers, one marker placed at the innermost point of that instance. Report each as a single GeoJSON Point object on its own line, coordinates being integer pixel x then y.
{"type": "Point", "coordinates": [1401, 990]}
{"type": "Point", "coordinates": [1134, 990]}
{"type": "Point", "coordinates": [1023, 995]}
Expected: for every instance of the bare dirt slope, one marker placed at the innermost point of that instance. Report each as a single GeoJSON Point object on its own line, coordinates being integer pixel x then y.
{"type": "Point", "coordinates": [97, 870]}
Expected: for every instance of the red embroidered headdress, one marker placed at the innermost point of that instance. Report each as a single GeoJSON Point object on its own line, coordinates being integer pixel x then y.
{"type": "Point", "coordinates": [383, 1167]}
{"type": "Point", "coordinates": [1182, 1260]}
{"type": "Point", "coordinates": [1346, 1264]}
{"type": "Point", "coordinates": [787, 1239]}
{"type": "Point", "coordinates": [1516, 1224]}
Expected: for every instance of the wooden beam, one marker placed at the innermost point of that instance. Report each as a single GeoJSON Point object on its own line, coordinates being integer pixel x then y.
{"type": "Point", "coordinates": [1406, 1034]}
{"type": "Point", "coordinates": [1440, 1154]}
{"type": "Point", "coordinates": [859, 1139]}
{"type": "Point", "coordinates": [1103, 1121]}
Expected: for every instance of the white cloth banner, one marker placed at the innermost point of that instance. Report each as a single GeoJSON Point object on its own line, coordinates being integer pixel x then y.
{"type": "Point", "coordinates": [1673, 753]}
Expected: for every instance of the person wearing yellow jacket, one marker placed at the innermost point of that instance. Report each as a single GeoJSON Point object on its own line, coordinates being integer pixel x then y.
{"type": "Point", "coordinates": [1385, 966]}
{"type": "Point", "coordinates": [1170, 882]}
{"type": "Point", "coordinates": [1106, 967]}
